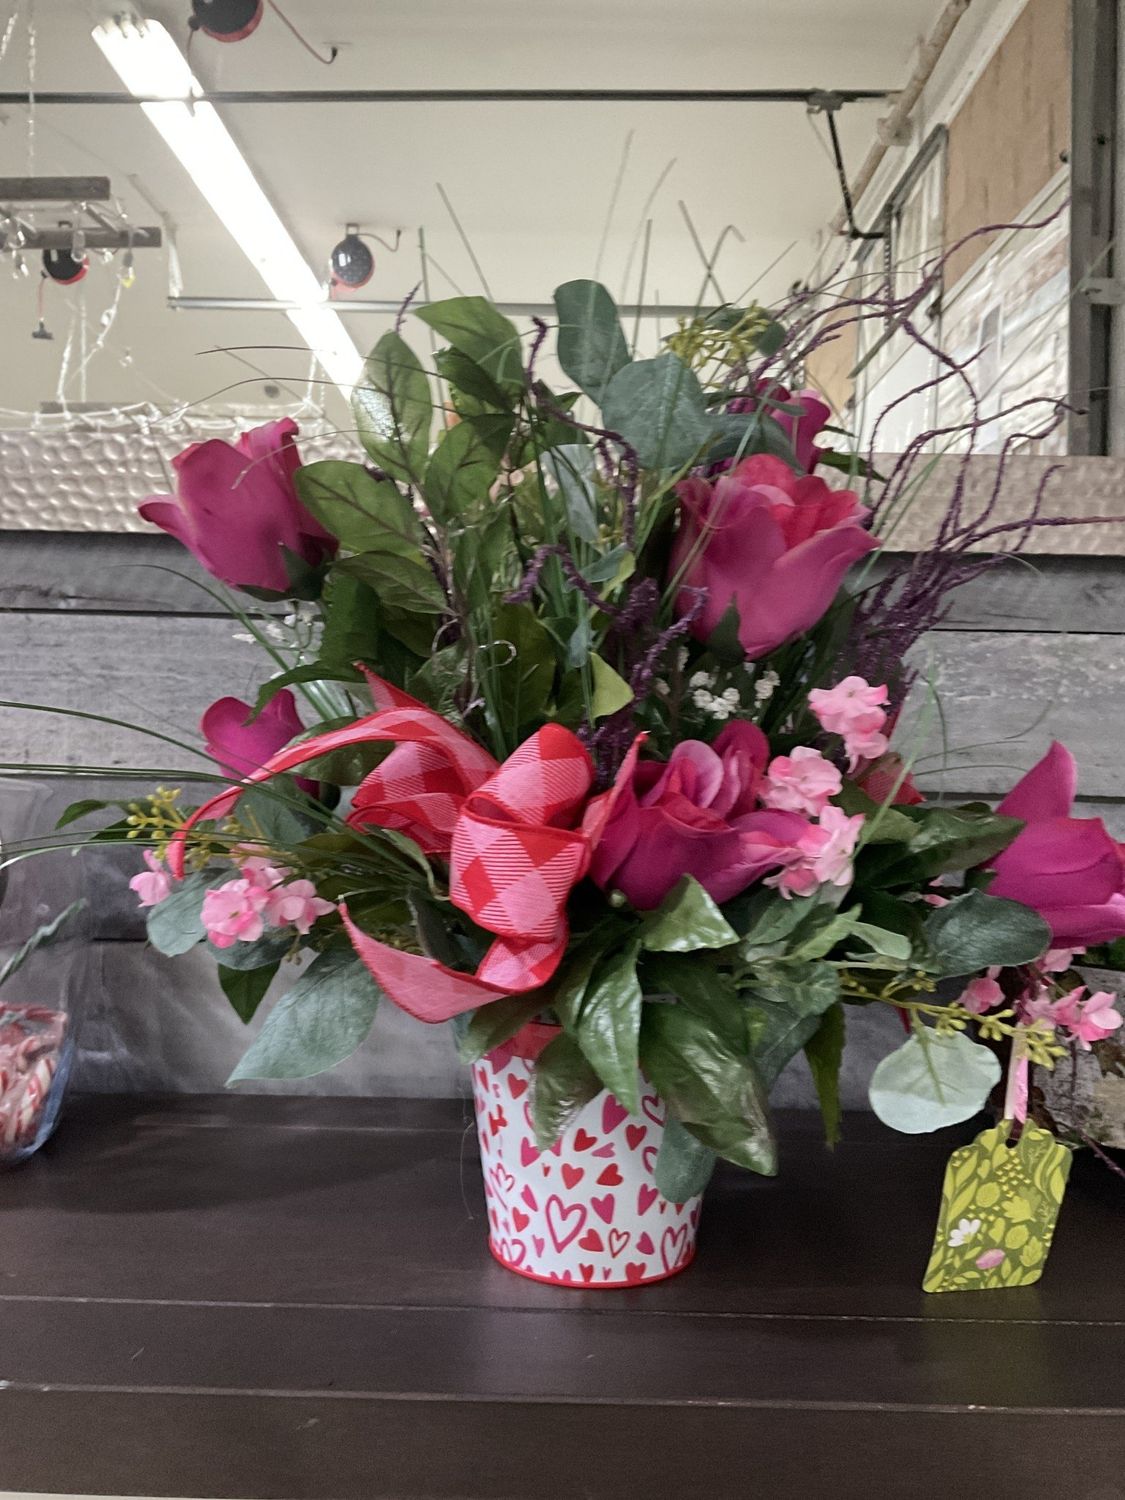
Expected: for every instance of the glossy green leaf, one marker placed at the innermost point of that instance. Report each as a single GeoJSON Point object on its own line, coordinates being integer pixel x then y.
{"type": "Point", "coordinates": [683, 1165]}
{"type": "Point", "coordinates": [657, 406]}
{"type": "Point", "coordinates": [784, 1004]}
{"type": "Point", "coordinates": [976, 931]}
{"type": "Point", "coordinates": [687, 919]}
{"type": "Point", "coordinates": [709, 992]}
{"type": "Point", "coordinates": [591, 345]}
{"type": "Point", "coordinates": [932, 1081]}
{"type": "Point", "coordinates": [323, 1019]}
{"type": "Point", "coordinates": [472, 389]}
{"type": "Point", "coordinates": [245, 988]}
{"type": "Point", "coordinates": [402, 583]}
{"type": "Point", "coordinates": [278, 814]}
{"type": "Point", "coordinates": [824, 1052]}
{"type": "Point", "coordinates": [609, 1027]}
{"type": "Point", "coordinates": [496, 1023]}
{"type": "Point", "coordinates": [392, 408]}
{"type": "Point", "coordinates": [521, 669]}
{"type": "Point", "coordinates": [562, 1084]}
{"type": "Point", "coordinates": [714, 1091]}
{"type": "Point", "coordinates": [473, 326]}
{"type": "Point", "coordinates": [366, 514]}
{"type": "Point", "coordinates": [465, 465]}
{"type": "Point", "coordinates": [82, 809]}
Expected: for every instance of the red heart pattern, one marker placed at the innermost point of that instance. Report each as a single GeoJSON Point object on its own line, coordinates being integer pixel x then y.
{"type": "Point", "coordinates": [557, 1235]}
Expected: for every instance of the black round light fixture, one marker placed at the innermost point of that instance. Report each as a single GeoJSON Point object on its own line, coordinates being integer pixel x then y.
{"type": "Point", "coordinates": [64, 266]}
{"type": "Point", "coordinates": [351, 261]}
{"type": "Point", "coordinates": [226, 20]}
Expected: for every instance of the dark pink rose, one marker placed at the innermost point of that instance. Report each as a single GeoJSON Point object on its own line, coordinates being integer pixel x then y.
{"type": "Point", "coordinates": [802, 431]}
{"type": "Point", "coordinates": [1067, 869]}
{"type": "Point", "coordinates": [236, 507]}
{"type": "Point", "coordinates": [775, 545]}
{"type": "Point", "coordinates": [239, 746]}
{"type": "Point", "coordinates": [696, 815]}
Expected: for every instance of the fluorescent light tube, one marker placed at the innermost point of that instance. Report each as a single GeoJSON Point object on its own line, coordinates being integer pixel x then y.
{"type": "Point", "coordinates": [149, 63]}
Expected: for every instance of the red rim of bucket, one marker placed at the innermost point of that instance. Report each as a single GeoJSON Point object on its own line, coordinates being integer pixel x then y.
{"type": "Point", "coordinates": [590, 1286]}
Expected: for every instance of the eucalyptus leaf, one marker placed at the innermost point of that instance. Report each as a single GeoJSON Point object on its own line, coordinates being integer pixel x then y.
{"type": "Point", "coordinates": [684, 1166]}
{"type": "Point", "coordinates": [176, 925]}
{"type": "Point", "coordinates": [573, 469]}
{"type": "Point", "coordinates": [686, 920]}
{"type": "Point", "coordinates": [323, 1019]}
{"type": "Point", "coordinates": [269, 949]}
{"type": "Point", "coordinates": [715, 1092]}
{"type": "Point", "coordinates": [976, 931]}
{"type": "Point", "coordinates": [562, 1084]}
{"type": "Point", "coordinates": [932, 1081]}
{"type": "Point", "coordinates": [392, 408]}
{"type": "Point", "coordinates": [657, 406]}
{"type": "Point", "coordinates": [591, 345]}
{"type": "Point", "coordinates": [739, 435]}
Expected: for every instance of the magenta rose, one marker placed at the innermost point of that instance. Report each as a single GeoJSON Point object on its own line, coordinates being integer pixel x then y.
{"type": "Point", "coordinates": [697, 815]}
{"type": "Point", "coordinates": [236, 507]}
{"type": "Point", "coordinates": [1067, 869]}
{"type": "Point", "coordinates": [802, 430]}
{"type": "Point", "coordinates": [774, 544]}
{"type": "Point", "coordinates": [240, 745]}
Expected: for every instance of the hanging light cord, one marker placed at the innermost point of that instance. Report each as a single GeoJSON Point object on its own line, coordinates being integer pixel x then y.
{"type": "Point", "coordinates": [309, 48]}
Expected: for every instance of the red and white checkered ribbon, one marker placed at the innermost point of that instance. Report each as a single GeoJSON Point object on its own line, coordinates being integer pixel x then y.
{"type": "Point", "coordinates": [519, 836]}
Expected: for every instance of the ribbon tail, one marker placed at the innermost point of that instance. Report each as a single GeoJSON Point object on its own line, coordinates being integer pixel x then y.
{"type": "Point", "coordinates": [422, 987]}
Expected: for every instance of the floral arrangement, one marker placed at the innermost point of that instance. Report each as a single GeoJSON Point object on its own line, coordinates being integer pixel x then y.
{"type": "Point", "coordinates": [592, 760]}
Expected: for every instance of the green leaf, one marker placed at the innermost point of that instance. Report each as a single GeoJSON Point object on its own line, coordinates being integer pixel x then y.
{"type": "Point", "coordinates": [365, 513]}
{"type": "Point", "coordinates": [40, 938]}
{"type": "Point", "coordinates": [278, 815]}
{"type": "Point", "coordinates": [572, 467]}
{"type": "Point", "coordinates": [657, 406]}
{"type": "Point", "coordinates": [683, 1164]}
{"type": "Point", "coordinates": [738, 435]}
{"type": "Point", "coordinates": [611, 691]}
{"type": "Point", "coordinates": [473, 390]}
{"type": "Point", "coordinates": [562, 1084]}
{"type": "Point", "coordinates": [708, 992]}
{"type": "Point", "coordinates": [392, 408]}
{"type": "Point", "coordinates": [402, 583]}
{"type": "Point", "coordinates": [323, 1019]}
{"type": "Point", "coordinates": [825, 1053]}
{"type": "Point", "coordinates": [521, 673]}
{"type": "Point", "coordinates": [945, 840]}
{"type": "Point", "coordinates": [893, 945]}
{"type": "Point", "coordinates": [176, 925]}
{"type": "Point", "coordinates": [269, 949]}
{"type": "Point", "coordinates": [591, 345]}
{"type": "Point", "coordinates": [609, 1025]}
{"type": "Point", "coordinates": [82, 809]}
{"type": "Point", "coordinates": [474, 327]}
{"type": "Point", "coordinates": [784, 1004]}
{"type": "Point", "coordinates": [976, 931]}
{"type": "Point", "coordinates": [714, 1091]}
{"type": "Point", "coordinates": [932, 1081]}
{"type": "Point", "coordinates": [496, 1023]}
{"type": "Point", "coordinates": [351, 622]}
{"type": "Point", "coordinates": [246, 988]}
{"type": "Point", "coordinates": [687, 919]}
{"type": "Point", "coordinates": [313, 671]}
{"type": "Point", "coordinates": [464, 465]}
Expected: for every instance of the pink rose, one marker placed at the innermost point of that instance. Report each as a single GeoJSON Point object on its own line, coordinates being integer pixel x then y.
{"type": "Point", "coordinates": [1067, 869]}
{"type": "Point", "coordinates": [153, 885]}
{"type": "Point", "coordinates": [802, 782]}
{"type": "Point", "coordinates": [236, 507]}
{"type": "Point", "coordinates": [240, 746]}
{"type": "Point", "coordinates": [235, 912]}
{"type": "Point", "coordinates": [696, 815]}
{"type": "Point", "coordinates": [775, 545]}
{"type": "Point", "coordinates": [801, 430]}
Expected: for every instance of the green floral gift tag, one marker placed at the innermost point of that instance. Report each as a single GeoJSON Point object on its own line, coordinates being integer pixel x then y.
{"type": "Point", "coordinates": [999, 1205]}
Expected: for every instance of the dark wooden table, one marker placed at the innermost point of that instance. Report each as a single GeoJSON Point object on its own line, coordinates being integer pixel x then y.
{"type": "Point", "coordinates": [278, 1297]}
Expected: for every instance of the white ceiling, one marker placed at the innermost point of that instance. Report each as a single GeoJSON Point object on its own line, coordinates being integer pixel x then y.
{"type": "Point", "coordinates": [531, 183]}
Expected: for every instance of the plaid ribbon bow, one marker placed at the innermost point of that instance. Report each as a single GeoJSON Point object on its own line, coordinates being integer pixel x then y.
{"type": "Point", "coordinates": [519, 836]}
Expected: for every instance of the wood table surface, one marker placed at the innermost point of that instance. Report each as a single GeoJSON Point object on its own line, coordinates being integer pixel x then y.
{"type": "Point", "coordinates": [257, 1297]}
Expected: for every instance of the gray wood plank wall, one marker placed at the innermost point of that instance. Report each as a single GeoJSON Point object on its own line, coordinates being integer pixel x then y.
{"type": "Point", "coordinates": [99, 623]}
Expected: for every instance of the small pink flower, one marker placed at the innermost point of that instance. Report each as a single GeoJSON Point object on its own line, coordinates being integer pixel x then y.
{"type": "Point", "coordinates": [981, 995]}
{"type": "Point", "coordinates": [1059, 960]}
{"type": "Point", "coordinates": [990, 1260]}
{"type": "Point", "coordinates": [1090, 1020]}
{"type": "Point", "coordinates": [856, 711]}
{"type": "Point", "coordinates": [826, 851]}
{"type": "Point", "coordinates": [153, 885]}
{"type": "Point", "coordinates": [296, 905]}
{"type": "Point", "coordinates": [801, 782]}
{"type": "Point", "coordinates": [263, 873]}
{"type": "Point", "coordinates": [233, 913]}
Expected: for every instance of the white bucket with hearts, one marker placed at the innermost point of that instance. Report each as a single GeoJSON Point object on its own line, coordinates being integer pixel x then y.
{"type": "Point", "coordinates": [586, 1212]}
